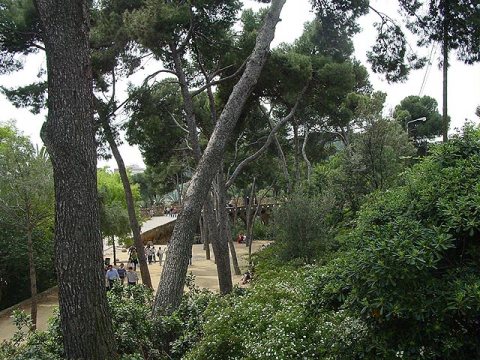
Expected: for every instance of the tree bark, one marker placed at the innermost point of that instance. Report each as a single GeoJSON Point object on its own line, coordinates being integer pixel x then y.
{"type": "Point", "coordinates": [171, 283]}
{"type": "Point", "coordinates": [220, 249]}
{"type": "Point", "coordinates": [114, 251]}
{"type": "Point", "coordinates": [69, 135]}
{"type": "Point", "coordinates": [304, 153]}
{"type": "Point", "coordinates": [445, 50]}
{"type": "Point", "coordinates": [250, 221]}
{"type": "Point", "coordinates": [282, 158]}
{"type": "Point", "coordinates": [33, 279]}
{"type": "Point", "coordinates": [223, 220]}
{"type": "Point", "coordinates": [132, 216]}
{"type": "Point", "coordinates": [296, 151]}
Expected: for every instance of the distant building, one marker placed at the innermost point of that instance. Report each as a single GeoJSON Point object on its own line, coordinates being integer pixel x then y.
{"type": "Point", "coordinates": [134, 169]}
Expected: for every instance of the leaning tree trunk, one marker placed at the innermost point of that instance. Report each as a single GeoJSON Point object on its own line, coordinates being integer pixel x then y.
{"type": "Point", "coordinates": [69, 135]}
{"type": "Point", "coordinates": [132, 216]}
{"type": "Point", "coordinates": [33, 279]}
{"type": "Point", "coordinates": [173, 277]}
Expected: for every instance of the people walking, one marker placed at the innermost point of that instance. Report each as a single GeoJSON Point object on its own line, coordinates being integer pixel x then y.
{"type": "Point", "coordinates": [133, 259]}
{"type": "Point", "coordinates": [160, 255]}
{"type": "Point", "coordinates": [132, 277]}
{"type": "Point", "coordinates": [122, 273]}
{"type": "Point", "coordinates": [112, 276]}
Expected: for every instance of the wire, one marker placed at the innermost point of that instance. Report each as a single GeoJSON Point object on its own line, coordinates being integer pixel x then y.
{"type": "Point", "coordinates": [433, 51]}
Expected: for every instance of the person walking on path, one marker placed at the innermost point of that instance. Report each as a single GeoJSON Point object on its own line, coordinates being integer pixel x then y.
{"type": "Point", "coordinates": [112, 276]}
{"type": "Point", "coordinates": [132, 277]}
{"type": "Point", "coordinates": [122, 273]}
{"type": "Point", "coordinates": [160, 255]}
{"type": "Point", "coordinates": [133, 259]}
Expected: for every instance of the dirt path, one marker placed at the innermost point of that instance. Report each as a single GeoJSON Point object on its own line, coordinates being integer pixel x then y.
{"type": "Point", "coordinates": [205, 273]}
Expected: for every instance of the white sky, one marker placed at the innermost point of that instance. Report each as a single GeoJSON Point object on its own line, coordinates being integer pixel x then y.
{"type": "Point", "coordinates": [464, 80]}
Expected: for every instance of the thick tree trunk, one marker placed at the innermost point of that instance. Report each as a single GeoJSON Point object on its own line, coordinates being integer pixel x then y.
{"type": "Point", "coordinates": [69, 135]}
{"type": "Point", "coordinates": [220, 250]}
{"type": "Point", "coordinates": [132, 216]}
{"type": "Point", "coordinates": [33, 279]}
{"type": "Point", "coordinates": [173, 277]}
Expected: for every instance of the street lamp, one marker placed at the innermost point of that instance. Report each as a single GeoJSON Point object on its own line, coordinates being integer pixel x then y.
{"type": "Point", "coordinates": [423, 119]}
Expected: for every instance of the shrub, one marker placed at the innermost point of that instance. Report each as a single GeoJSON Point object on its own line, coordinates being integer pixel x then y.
{"type": "Point", "coordinates": [411, 267]}
{"type": "Point", "coordinates": [302, 229]}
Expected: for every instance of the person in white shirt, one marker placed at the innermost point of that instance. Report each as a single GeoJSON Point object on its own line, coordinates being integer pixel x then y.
{"type": "Point", "coordinates": [112, 276]}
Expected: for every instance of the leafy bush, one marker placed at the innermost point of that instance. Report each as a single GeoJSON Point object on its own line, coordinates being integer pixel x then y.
{"type": "Point", "coordinates": [411, 266]}
{"type": "Point", "coordinates": [302, 229]}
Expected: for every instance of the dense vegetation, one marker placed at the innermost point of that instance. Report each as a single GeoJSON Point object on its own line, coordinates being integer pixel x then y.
{"type": "Point", "coordinates": [366, 248]}
{"type": "Point", "coordinates": [405, 263]}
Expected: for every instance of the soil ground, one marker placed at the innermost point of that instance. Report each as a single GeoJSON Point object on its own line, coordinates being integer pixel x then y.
{"type": "Point", "coordinates": [204, 270]}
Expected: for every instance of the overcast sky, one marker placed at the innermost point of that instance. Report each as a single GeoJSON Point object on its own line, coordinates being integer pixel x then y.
{"type": "Point", "coordinates": [464, 80]}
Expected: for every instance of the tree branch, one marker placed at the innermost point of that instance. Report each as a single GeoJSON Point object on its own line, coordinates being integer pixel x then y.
{"type": "Point", "coordinates": [270, 137]}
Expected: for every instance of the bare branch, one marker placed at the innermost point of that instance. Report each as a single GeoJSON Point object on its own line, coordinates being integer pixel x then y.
{"type": "Point", "coordinates": [219, 81]}
{"type": "Point", "coordinates": [177, 123]}
{"type": "Point", "coordinates": [260, 152]}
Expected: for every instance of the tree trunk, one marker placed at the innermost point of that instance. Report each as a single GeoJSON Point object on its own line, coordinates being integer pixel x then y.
{"type": "Point", "coordinates": [445, 50]}
{"type": "Point", "coordinates": [114, 251]}
{"type": "Point", "coordinates": [304, 153]}
{"type": "Point", "coordinates": [250, 221]}
{"type": "Point", "coordinates": [220, 249]}
{"type": "Point", "coordinates": [204, 237]}
{"type": "Point", "coordinates": [282, 158]}
{"type": "Point", "coordinates": [223, 220]}
{"type": "Point", "coordinates": [69, 135]}
{"type": "Point", "coordinates": [132, 216]}
{"type": "Point", "coordinates": [296, 151]}
{"type": "Point", "coordinates": [33, 279]}
{"type": "Point", "coordinates": [173, 277]}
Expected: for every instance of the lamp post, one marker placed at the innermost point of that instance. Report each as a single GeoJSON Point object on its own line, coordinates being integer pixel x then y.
{"type": "Point", "coordinates": [423, 119]}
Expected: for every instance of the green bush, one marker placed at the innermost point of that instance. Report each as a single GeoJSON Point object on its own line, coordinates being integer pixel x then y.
{"type": "Point", "coordinates": [411, 266]}
{"type": "Point", "coordinates": [302, 228]}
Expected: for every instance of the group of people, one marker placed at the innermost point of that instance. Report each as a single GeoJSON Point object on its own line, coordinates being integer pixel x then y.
{"type": "Point", "coordinates": [241, 238]}
{"type": "Point", "coordinates": [170, 211]}
{"type": "Point", "coordinates": [152, 254]}
{"type": "Point", "coordinates": [119, 274]}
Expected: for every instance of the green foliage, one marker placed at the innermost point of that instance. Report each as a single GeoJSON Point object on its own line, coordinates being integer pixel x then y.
{"type": "Point", "coordinates": [303, 231]}
{"type": "Point", "coordinates": [415, 107]}
{"type": "Point", "coordinates": [27, 344]}
{"type": "Point", "coordinates": [26, 208]}
{"type": "Point", "coordinates": [374, 160]}
{"type": "Point", "coordinates": [411, 265]}
{"type": "Point", "coordinates": [113, 208]}
{"type": "Point", "coordinates": [32, 96]}
{"type": "Point", "coordinates": [20, 32]}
